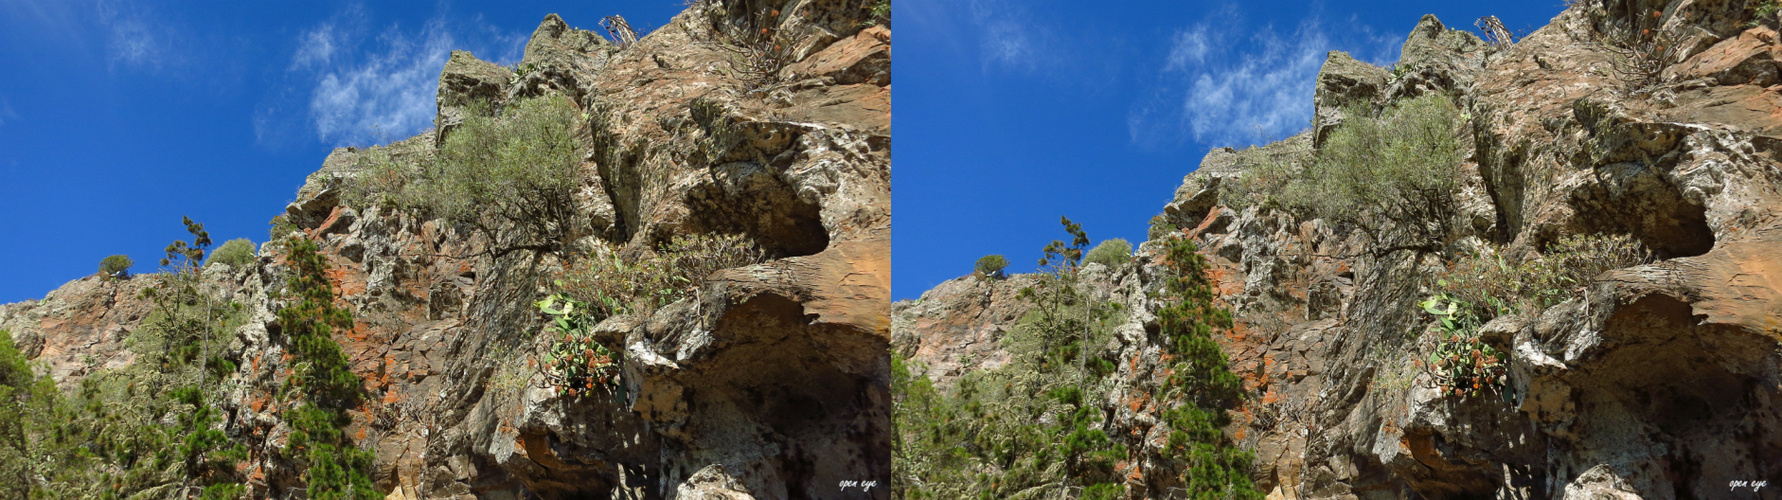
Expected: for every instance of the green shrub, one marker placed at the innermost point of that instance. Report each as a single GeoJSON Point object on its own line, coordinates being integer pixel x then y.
{"type": "Point", "coordinates": [1260, 183]}
{"type": "Point", "coordinates": [308, 322]}
{"type": "Point", "coordinates": [281, 228]}
{"type": "Point", "coordinates": [115, 264]}
{"type": "Point", "coordinates": [1112, 253]}
{"type": "Point", "coordinates": [1039, 426]}
{"type": "Point", "coordinates": [1393, 176]}
{"type": "Point", "coordinates": [1160, 227]}
{"type": "Point", "coordinates": [1491, 285]}
{"type": "Point", "coordinates": [1461, 364]}
{"type": "Point", "coordinates": [237, 253]}
{"type": "Point", "coordinates": [991, 266]}
{"type": "Point", "coordinates": [336, 467]}
{"type": "Point", "coordinates": [1200, 376]}
{"type": "Point", "coordinates": [382, 179]}
{"type": "Point", "coordinates": [609, 284]}
{"type": "Point", "coordinates": [144, 430]}
{"type": "Point", "coordinates": [577, 363]}
{"type": "Point", "coordinates": [517, 172]}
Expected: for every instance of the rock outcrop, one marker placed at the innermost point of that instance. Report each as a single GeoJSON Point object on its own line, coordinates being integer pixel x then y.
{"type": "Point", "coordinates": [1655, 381]}
{"type": "Point", "coordinates": [769, 382]}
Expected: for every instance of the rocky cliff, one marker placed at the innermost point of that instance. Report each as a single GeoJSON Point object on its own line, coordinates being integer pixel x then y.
{"type": "Point", "coordinates": [1655, 381]}
{"type": "Point", "coordinates": [768, 382]}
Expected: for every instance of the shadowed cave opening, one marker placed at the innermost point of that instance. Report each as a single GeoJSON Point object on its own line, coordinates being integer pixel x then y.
{"type": "Point", "coordinates": [747, 196]}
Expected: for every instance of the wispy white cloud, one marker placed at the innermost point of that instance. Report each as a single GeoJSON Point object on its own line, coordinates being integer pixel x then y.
{"type": "Point", "coordinates": [315, 47]}
{"type": "Point", "coordinates": [1220, 86]}
{"type": "Point", "coordinates": [136, 37]}
{"type": "Point", "coordinates": [389, 94]}
{"type": "Point", "coordinates": [374, 89]}
{"type": "Point", "coordinates": [6, 112]}
{"type": "Point", "coordinates": [1010, 39]}
{"type": "Point", "coordinates": [1189, 48]}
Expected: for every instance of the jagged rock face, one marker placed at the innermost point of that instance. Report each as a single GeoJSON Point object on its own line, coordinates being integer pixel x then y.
{"type": "Point", "coordinates": [770, 382]}
{"type": "Point", "coordinates": [78, 328]}
{"type": "Point", "coordinates": [957, 326]}
{"type": "Point", "coordinates": [1658, 381]}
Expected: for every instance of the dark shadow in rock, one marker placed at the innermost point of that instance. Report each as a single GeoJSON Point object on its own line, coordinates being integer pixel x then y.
{"type": "Point", "coordinates": [748, 196]}
{"type": "Point", "coordinates": [1632, 198]}
{"type": "Point", "coordinates": [802, 399]}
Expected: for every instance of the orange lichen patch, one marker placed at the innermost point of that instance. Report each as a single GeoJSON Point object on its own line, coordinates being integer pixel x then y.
{"type": "Point", "coordinates": [1206, 222]}
{"type": "Point", "coordinates": [256, 363]}
{"type": "Point", "coordinates": [257, 402]}
{"type": "Point", "coordinates": [1270, 397]}
{"type": "Point", "coordinates": [361, 331]}
{"type": "Point", "coordinates": [347, 281]}
{"type": "Point", "coordinates": [1138, 402]}
{"type": "Point", "coordinates": [392, 397]}
{"type": "Point", "coordinates": [1238, 332]}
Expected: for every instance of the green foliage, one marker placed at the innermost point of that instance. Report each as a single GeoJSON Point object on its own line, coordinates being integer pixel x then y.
{"type": "Point", "coordinates": [308, 324]}
{"type": "Point", "coordinates": [336, 468]}
{"type": "Point", "coordinates": [188, 255]}
{"type": "Point", "coordinates": [16, 450]}
{"type": "Point", "coordinates": [1064, 257]}
{"type": "Point", "coordinates": [281, 227]}
{"type": "Point", "coordinates": [1038, 428]}
{"type": "Point", "coordinates": [1200, 377]}
{"type": "Point", "coordinates": [609, 284]}
{"type": "Point", "coordinates": [1461, 364]}
{"type": "Point", "coordinates": [1260, 183]}
{"type": "Point", "coordinates": [881, 14]}
{"type": "Point", "coordinates": [1393, 176]}
{"type": "Point", "coordinates": [1764, 12]}
{"type": "Point", "coordinates": [1188, 323]}
{"type": "Point", "coordinates": [146, 430]}
{"type": "Point", "coordinates": [1160, 227]}
{"type": "Point", "coordinates": [1034, 428]}
{"type": "Point", "coordinates": [578, 364]}
{"type": "Point", "coordinates": [517, 171]}
{"type": "Point", "coordinates": [237, 253]}
{"type": "Point", "coordinates": [115, 264]}
{"type": "Point", "coordinates": [1112, 253]}
{"type": "Point", "coordinates": [991, 266]}
{"type": "Point", "coordinates": [1490, 285]}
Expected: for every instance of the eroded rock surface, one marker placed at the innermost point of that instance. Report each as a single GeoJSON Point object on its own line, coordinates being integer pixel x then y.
{"type": "Point", "coordinates": [771, 382]}
{"type": "Point", "coordinates": [1657, 381]}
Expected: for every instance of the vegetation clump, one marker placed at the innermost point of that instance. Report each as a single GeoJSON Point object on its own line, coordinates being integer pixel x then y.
{"type": "Point", "coordinates": [991, 266]}
{"type": "Point", "coordinates": [145, 430]}
{"type": "Point", "coordinates": [610, 284]}
{"type": "Point", "coordinates": [334, 466]}
{"type": "Point", "coordinates": [1490, 285]}
{"type": "Point", "coordinates": [511, 175]}
{"type": "Point", "coordinates": [577, 364]}
{"type": "Point", "coordinates": [1112, 253]}
{"type": "Point", "coordinates": [1040, 426]}
{"type": "Point", "coordinates": [1461, 364]}
{"type": "Point", "coordinates": [1393, 176]}
{"type": "Point", "coordinates": [1160, 227]}
{"type": "Point", "coordinates": [115, 265]}
{"type": "Point", "coordinates": [1480, 287]}
{"type": "Point", "coordinates": [236, 253]}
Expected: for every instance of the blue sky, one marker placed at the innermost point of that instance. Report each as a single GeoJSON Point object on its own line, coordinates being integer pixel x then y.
{"type": "Point", "coordinates": [1011, 113]}
{"type": "Point", "coordinates": [118, 117]}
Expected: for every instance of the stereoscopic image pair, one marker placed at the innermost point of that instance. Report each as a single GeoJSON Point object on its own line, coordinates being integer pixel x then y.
{"type": "Point", "coordinates": [645, 250]}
